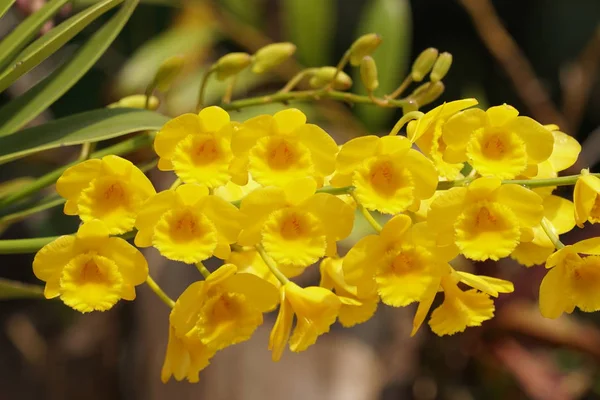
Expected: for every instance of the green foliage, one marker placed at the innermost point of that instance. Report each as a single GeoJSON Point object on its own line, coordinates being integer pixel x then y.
{"type": "Point", "coordinates": [16, 40]}
{"type": "Point", "coordinates": [310, 25]}
{"type": "Point", "coordinates": [92, 126]}
{"type": "Point", "coordinates": [49, 43]}
{"type": "Point", "coordinates": [26, 107]}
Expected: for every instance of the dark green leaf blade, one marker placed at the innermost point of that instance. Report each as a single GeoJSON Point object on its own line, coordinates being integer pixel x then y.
{"type": "Point", "coordinates": [91, 126]}
{"type": "Point", "coordinates": [26, 107]}
{"type": "Point", "coordinates": [42, 48]}
{"type": "Point", "coordinates": [26, 30]}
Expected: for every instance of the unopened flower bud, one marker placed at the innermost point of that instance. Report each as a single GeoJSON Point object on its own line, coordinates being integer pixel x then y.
{"type": "Point", "coordinates": [136, 101]}
{"type": "Point", "coordinates": [167, 72]}
{"type": "Point", "coordinates": [433, 92]}
{"type": "Point", "coordinates": [441, 67]}
{"type": "Point", "coordinates": [423, 64]}
{"type": "Point", "coordinates": [368, 73]}
{"type": "Point", "coordinates": [232, 64]}
{"type": "Point", "coordinates": [363, 46]}
{"type": "Point", "coordinates": [323, 76]}
{"type": "Point", "coordinates": [271, 56]}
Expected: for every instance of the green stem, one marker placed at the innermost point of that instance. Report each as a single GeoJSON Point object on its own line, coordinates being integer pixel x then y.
{"type": "Point", "coordinates": [551, 233]}
{"type": "Point", "coordinates": [271, 264]}
{"type": "Point", "coordinates": [292, 83]}
{"type": "Point", "coordinates": [335, 190]}
{"type": "Point", "coordinates": [308, 95]}
{"type": "Point", "coordinates": [159, 292]}
{"type": "Point", "coordinates": [20, 215]}
{"type": "Point", "coordinates": [207, 74]}
{"type": "Point", "coordinates": [203, 270]}
{"type": "Point", "coordinates": [367, 215]}
{"type": "Point", "coordinates": [340, 66]}
{"type": "Point", "coordinates": [24, 246]}
{"type": "Point", "coordinates": [405, 83]}
{"type": "Point", "coordinates": [409, 116]}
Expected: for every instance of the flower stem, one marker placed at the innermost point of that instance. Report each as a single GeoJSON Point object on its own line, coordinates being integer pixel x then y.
{"type": "Point", "coordinates": [368, 216]}
{"type": "Point", "coordinates": [271, 264]}
{"type": "Point", "coordinates": [207, 75]}
{"type": "Point", "coordinates": [20, 215]}
{"type": "Point", "coordinates": [551, 233]}
{"type": "Point", "coordinates": [203, 270]}
{"type": "Point", "coordinates": [405, 118]}
{"type": "Point", "coordinates": [175, 184]}
{"type": "Point", "coordinates": [159, 292]}
{"type": "Point", "coordinates": [307, 95]}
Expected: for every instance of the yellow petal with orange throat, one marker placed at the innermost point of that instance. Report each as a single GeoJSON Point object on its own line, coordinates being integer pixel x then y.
{"type": "Point", "coordinates": [487, 230]}
{"type": "Point", "coordinates": [185, 235]}
{"type": "Point", "coordinates": [91, 283]}
{"type": "Point", "coordinates": [203, 159]}
{"type": "Point", "coordinates": [278, 160]}
{"type": "Point", "coordinates": [294, 237]}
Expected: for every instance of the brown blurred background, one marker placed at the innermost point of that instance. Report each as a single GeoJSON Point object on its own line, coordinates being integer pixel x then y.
{"type": "Point", "coordinates": [542, 56]}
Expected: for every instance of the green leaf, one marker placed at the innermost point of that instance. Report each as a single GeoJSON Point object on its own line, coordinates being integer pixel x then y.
{"type": "Point", "coordinates": [42, 48]}
{"type": "Point", "coordinates": [91, 126]}
{"type": "Point", "coordinates": [29, 105]}
{"type": "Point", "coordinates": [17, 290]}
{"type": "Point", "coordinates": [139, 69]}
{"type": "Point", "coordinates": [5, 5]}
{"type": "Point", "coordinates": [393, 21]}
{"type": "Point", "coordinates": [310, 25]}
{"type": "Point", "coordinates": [247, 11]}
{"type": "Point", "coordinates": [26, 30]}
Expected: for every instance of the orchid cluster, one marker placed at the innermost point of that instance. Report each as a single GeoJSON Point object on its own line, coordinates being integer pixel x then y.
{"type": "Point", "coordinates": [274, 195]}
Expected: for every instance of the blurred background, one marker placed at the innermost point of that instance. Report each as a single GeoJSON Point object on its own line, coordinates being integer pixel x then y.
{"type": "Point", "coordinates": [542, 56]}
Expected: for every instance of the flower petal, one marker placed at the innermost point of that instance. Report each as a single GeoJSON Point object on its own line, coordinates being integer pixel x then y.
{"type": "Point", "coordinates": [553, 299]}
{"type": "Point", "coordinates": [173, 132]}
{"type": "Point", "coordinates": [323, 148]}
{"type": "Point", "coordinates": [289, 120]}
{"type": "Point", "coordinates": [213, 118]}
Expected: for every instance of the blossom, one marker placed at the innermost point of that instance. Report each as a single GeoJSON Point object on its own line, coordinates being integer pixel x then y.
{"type": "Point", "coordinates": [497, 142]}
{"type": "Point", "coordinates": [400, 263]}
{"type": "Point", "coordinates": [90, 271]}
{"type": "Point", "coordinates": [110, 189]}
{"type": "Point", "coordinates": [315, 308]}
{"type": "Point", "coordinates": [279, 149]}
{"type": "Point", "coordinates": [426, 132]}
{"type": "Point", "coordinates": [187, 224]}
{"type": "Point", "coordinates": [486, 220]}
{"type": "Point", "coordinates": [559, 213]}
{"type": "Point", "coordinates": [564, 154]}
{"type": "Point", "coordinates": [357, 306]}
{"type": "Point", "coordinates": [295, 225]}
{"type": "Point", "coordinates": [248, 260]}
{"type": "Point", "coordinates": [210, 315]}
{"type": "Point", "coordinates": [387, 174]}
{"type": "Point", "coordinates": [461, 309]}
{"type": "Point", "coordinates": [586, 199]}
{"type": "Point", "coordinates": [573, 279]}
{"type": "Point", "coordinates": [197, 147]}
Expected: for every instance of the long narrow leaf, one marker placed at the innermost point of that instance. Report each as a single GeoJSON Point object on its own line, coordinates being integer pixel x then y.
{"type": "Point", "coordinates": [26, 30]}
{"type": "Point", "coordinates": [310, 24]}
{"type": "Point", "coordinates": [42, 48]}
{"type": "Point", "coordinates": [26, 107]}
{"type": "Point", "coordinates": [91, 126]}
{"type": "Point", "coordinates": [5, 5]}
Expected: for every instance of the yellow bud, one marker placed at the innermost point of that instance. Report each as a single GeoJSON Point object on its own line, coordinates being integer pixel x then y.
{"type": "Point", "coordinates": [271, 56]}
{"type": "Point", "coordinates": [136, 101]}
{"type": "Point", "coordinates": [423, 64]}
{"type": "Point", "coordinates": [167, 72]}
{"type": "Point", "coordinates": [322, 76]}
{"type": "Point", "coordinates": [231, 64]}
{"type": "Point", "coordinates": [441, 67]}
{"type": "Point", "coordinates": [363, 46]}
{"type": "Point", "coordinates": [428, 92]}
{"type": "Point", "coordinates": [368, 73]}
